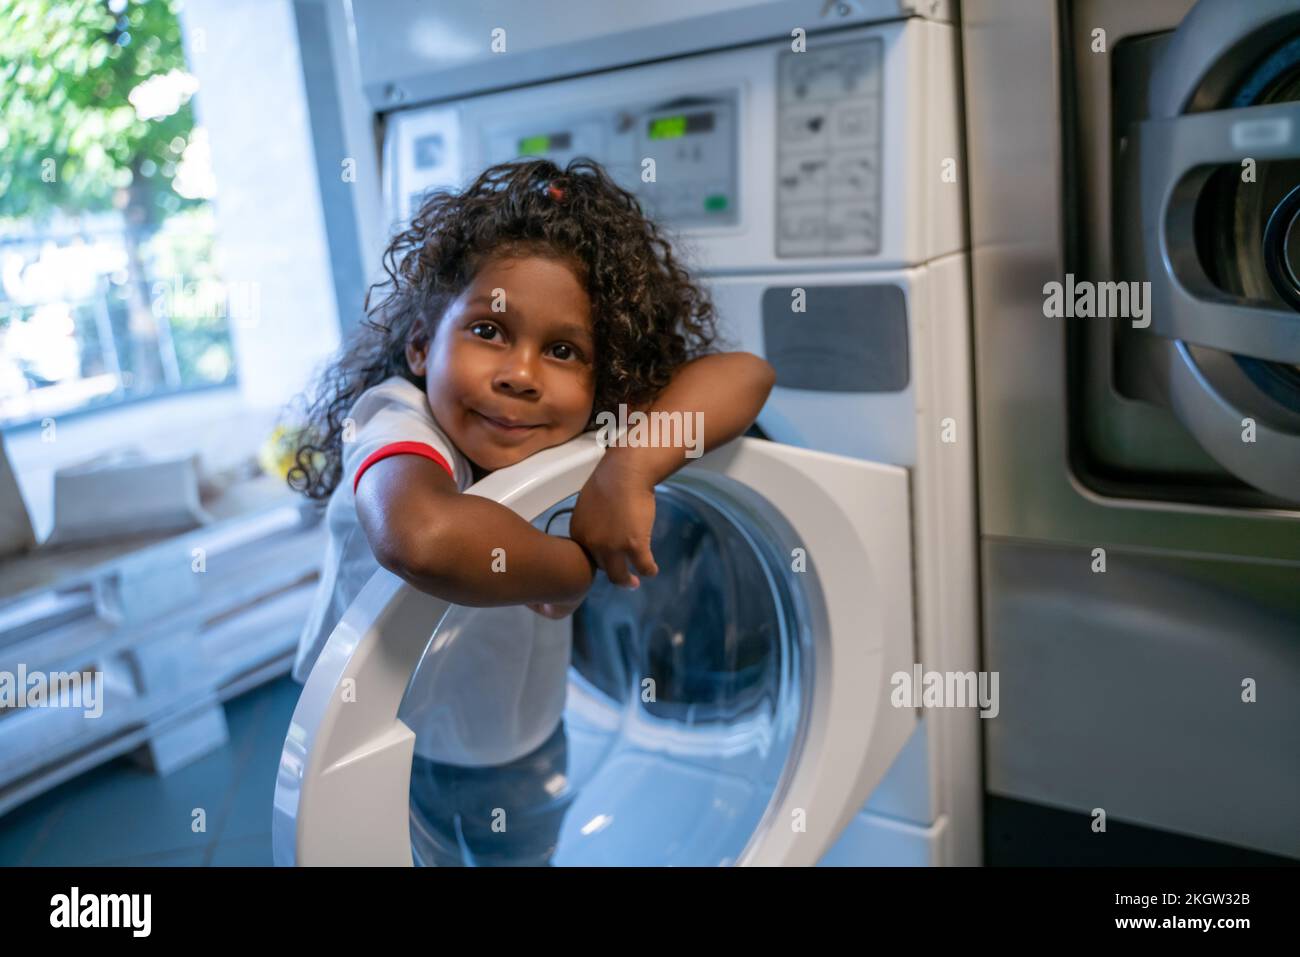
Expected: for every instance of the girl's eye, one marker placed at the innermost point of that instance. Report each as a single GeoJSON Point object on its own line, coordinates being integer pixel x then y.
{"type": "Point", "coordinates": [491, 330]}
{"type": "Point", "coordinates": [565, 351]}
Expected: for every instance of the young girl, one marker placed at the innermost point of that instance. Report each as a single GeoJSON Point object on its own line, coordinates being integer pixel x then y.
{"type": "Point", "coordinates": [517, 311]}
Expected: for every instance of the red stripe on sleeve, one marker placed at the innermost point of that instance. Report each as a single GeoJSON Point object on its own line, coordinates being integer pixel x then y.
{"type": "Point", "coordinates": [401, 448]}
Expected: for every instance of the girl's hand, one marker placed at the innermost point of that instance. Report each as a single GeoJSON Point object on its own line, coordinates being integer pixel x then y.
{"type": "Point", "coordinates": [555, 610]}
{"type": "Point", "coordinates": [613, 519]}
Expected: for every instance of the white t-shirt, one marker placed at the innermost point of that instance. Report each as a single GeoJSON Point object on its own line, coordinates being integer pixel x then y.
{"type": "Point", "coordinates": [390, 418]}
{"type": "Point", "coordinates": [495, 690]}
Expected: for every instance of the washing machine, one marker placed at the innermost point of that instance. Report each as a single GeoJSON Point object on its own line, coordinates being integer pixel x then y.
{"type": "Point", "coordinates": [737, 708]}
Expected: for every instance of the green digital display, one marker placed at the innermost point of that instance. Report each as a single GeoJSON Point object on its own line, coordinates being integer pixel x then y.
{"type": "Point", "coordinates": [534, 144]}
{"type": "Point", "coordinates": [667, 127]}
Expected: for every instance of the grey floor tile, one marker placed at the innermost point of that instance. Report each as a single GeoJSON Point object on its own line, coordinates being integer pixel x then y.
{"type": "Point", "coordinates": [191, 857]}
{"type": "Point", "coordinates": [23, 828]}
{"type": "Point", "coordinates": [122, 813]}
{"type": "Point", "coordinates": [250, 809]}
{"type": "Point", "coordinates": [246, 852]}
{"type": "Point", "coordinates": [121, 810]}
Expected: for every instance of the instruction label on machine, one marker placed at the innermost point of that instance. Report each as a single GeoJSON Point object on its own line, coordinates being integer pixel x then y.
{"type": "Point", "coordinates": [828, 150]}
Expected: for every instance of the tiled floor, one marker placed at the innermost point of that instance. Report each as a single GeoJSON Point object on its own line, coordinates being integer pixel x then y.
{"type": "Point", "coordinates": [120, 813]}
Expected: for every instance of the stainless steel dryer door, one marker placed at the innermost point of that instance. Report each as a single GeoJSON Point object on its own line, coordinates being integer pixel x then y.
{"type": "Point", "coordinates": [1219, 178]}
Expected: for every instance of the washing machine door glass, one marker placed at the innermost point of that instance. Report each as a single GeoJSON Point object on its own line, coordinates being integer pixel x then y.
{"type": "Point", "coordinates": [653, 727]}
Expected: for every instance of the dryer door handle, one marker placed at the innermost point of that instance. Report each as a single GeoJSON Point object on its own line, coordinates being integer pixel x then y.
{"type": "Point", "coordinates": [1175, 159]}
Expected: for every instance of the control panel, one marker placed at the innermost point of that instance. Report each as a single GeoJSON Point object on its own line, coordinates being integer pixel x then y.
{"type": "Point", "coordinates": [678, 157]}
{"type": "Point", "coordinates": [762, 157]}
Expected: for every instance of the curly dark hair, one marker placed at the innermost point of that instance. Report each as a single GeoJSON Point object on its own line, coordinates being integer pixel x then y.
{"type": "Point", "coordinates": [649, 316]}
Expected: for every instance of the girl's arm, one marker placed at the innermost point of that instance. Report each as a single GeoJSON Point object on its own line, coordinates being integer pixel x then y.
{"type": "Point", "coordinates": [727, 388]}
{"type": "Point", "coordinates": [421, 528]}
{"type": "Point", "coordinates": [614, 515]}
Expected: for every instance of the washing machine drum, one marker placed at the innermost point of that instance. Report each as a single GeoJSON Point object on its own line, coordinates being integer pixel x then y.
{"type": "Point", "coordinates": [1220, 186]}
{"type": "Point", "coordinates": [696, 720]}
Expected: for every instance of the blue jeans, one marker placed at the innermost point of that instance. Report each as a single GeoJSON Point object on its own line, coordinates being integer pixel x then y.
{"type": "Point", "coordinates": [494, 816]}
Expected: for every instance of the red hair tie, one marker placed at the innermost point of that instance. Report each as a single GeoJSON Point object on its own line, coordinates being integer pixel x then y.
{"type": "Point", "coordinates": [555, 192]}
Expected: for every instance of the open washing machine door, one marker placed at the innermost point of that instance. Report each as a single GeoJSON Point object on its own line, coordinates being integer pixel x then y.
{"type": "Point", "coordinates": [1218, 167]}
{"type": "Point", "coordinates": [733, 709]}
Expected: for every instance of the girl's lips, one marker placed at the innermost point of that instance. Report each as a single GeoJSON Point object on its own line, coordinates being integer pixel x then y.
{"type": "Point", "coordinates": [504, 427]}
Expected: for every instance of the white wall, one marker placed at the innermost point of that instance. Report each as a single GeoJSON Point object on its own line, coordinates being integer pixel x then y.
{"type": "Point", "coordinates": [271, 230]}
{"type": "Point", "coordinates": [373, 228]}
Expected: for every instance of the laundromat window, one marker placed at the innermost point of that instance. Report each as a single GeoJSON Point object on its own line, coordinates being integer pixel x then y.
{"type": "Point", "coordinates": [106, 217]}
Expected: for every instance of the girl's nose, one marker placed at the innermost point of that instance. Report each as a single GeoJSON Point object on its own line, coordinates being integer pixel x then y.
{"type": "Point", "coordinates": [517, 373]}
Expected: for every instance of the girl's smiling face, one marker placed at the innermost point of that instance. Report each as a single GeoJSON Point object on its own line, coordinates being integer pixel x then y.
{"type": "Point", "coordinates": [506, 384]}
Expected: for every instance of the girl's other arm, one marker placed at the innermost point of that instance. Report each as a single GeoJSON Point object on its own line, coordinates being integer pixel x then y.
{"type": "Point", "coordinates": [728, 389]}
{"type": "Point", "coordinates": [614, 517]}
{"type": "Point", "coordinates": [421, 528]}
